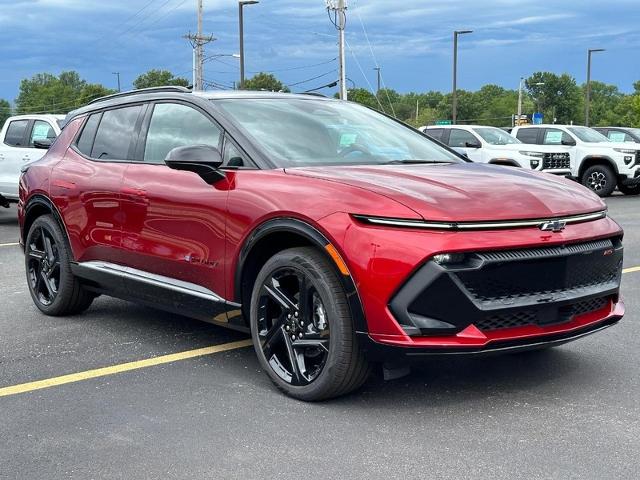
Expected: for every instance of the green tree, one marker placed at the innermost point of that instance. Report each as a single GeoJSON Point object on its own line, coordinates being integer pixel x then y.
{"type": "Point", "coordinates": [605, 102]}
{"type": "Point", "coordinates": [558, 97]}
{"type": "Point", "coordinates": [5, 111]}
{"type": "Point", "coordinates": [159, 78]}
{"type": "Point", "coordinates": [363, 97]}
{"type": "Point", "coordinates": [264, 82]}
{"type": "Point", "coordinates": [47, 93]}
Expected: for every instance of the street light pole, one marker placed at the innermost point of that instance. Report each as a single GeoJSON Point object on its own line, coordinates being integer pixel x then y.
{"type": "Point", "coordinates": [455, 73]}
{"type": "Point", "coordinates": [377, 69]}
{"type": "Point", "coordinates": [241, 5]}
{"type": "Point", "coordinates": [517, 122]}
{"type": "Point", "coordinates": [117, 74]}
{"type": "Point", "coordinates": [588, 99]}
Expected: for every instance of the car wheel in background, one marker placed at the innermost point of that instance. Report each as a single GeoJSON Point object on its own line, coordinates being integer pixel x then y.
{"type": "Point", "coordinates": [302, 328]}
{"type": "Point", "coordinates": [54, 289]}
{"type": "Point", "coordinates": [600, 179]}
{"type": "Point", "coordinates": [630, 189]}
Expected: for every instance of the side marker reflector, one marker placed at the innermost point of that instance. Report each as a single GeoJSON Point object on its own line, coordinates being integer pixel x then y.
{"type": "Point", "coordinates": [331, 250]}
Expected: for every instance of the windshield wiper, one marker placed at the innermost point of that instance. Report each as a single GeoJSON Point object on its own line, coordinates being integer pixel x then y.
{"type": "Point", "coordinates": [413, 162]}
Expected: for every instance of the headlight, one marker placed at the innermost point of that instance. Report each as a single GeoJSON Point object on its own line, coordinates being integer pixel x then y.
{"type": "Point", "coordinates": [627, 151]}
{"type": "Point", "coordinates": [448, 258]}
{"type": "Point", "coordinates": [532, 154]}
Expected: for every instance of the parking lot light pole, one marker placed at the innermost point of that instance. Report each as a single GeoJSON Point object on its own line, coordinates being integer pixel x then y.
{"type": "Point", "coordinates": [588, 99]}
{"type": "Point", "coordinates": [241, 5]}
{"type": "Point", "coordinates": [537, 84]}
{"type": "Point", "coordinates": [454, 114]}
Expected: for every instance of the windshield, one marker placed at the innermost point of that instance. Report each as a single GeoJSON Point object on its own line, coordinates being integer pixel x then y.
{"type": "Point", "coordinates": [310, 132]}
{"type": "Point", "coordinates": [635, 131]}
{"type": "Point", "coordinates": [588, 135]}
{"type": "Point", "coordinates": [496, 136]}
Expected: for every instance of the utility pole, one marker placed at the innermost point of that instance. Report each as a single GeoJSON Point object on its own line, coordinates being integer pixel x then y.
{"type": "Point", "coordinates": [241, 5]}
{"type": "Point", "coordinates": [340, 9]}
{"type": "Point", "coordinates": [517, 122]}
{"type": "Point", "coordinates": [198, 41]}
{"type": "Point", "coordinates": [118, 75]}
{"type": "Point", "coordinates": [454, 108]}
{"type": "Point", "coordinates": [377, 69]}
{"type": "Point", "coordinates": [588, 99]}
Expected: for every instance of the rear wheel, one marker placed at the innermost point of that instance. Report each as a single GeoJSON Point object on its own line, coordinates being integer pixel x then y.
{"type": "Point", "coordinates": [53, 288]}
{"type": "Point", "coordinates": [600, 179]}
{"type": "Point", "coordinates": [302, 328]}
{"type": "Point", "coordinates": [630, 189]}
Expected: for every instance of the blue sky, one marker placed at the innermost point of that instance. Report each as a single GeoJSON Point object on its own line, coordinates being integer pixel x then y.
{"type": "Point", "coordinates": [409, 39]}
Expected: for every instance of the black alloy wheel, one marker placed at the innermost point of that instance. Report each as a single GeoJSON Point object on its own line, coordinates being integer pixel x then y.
{"type": "Point", "coordinates": [302, 328]}
{"type": "Point", "coordinates": [53, 287]}
{"type": "Point", "coordinates": [600, 179]}
{"type": "Point", "coordinates": [292, 326]}
{"type": "Point", "coordinates": [43, 265]}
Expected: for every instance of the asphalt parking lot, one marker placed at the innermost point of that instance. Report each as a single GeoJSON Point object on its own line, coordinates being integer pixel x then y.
{"type": "Point", "coordinates": [570, 412]}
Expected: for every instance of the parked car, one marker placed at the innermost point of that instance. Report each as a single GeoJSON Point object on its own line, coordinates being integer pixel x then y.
{"type": "Point", "coordinates": [270, 213]}
{"type": "Point", "coordinates": [23, 139]}
{"type": "Point", "coordinates": [620, 134]}
{"type": "Point", "coordinates": [497, 146]}
{"type": "Point", "coordinates": [599, 164]}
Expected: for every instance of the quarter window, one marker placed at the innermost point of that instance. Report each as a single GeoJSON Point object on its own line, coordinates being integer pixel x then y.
{"type": "Point", "coordinates": [15, 133]}
{"type": "Point", "coordinates": [116, 134]}
{"type": "Point", "coordinates": [460, 138]}
{"type": "Point", "coordinates": [232, 155]}
{"type": "Point", "coordinates": [174, 125]}
{"type": "Point", "coordinates": [85, 142]}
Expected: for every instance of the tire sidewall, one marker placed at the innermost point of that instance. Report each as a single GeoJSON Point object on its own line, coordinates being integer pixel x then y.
{"type": "Point", "coordinates": [610, 179]}
{"type": "Point", "coordinates": [48, 223]}
{"type": "Point", "coordinates": [339, 319]}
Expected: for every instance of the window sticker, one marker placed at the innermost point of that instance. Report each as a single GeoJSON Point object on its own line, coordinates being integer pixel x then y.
{"type": "Point", "coordinates": [553, 137]}
{"type": "Point", "coordinates": [40, 131]}
{"type": "Point", "coordinates": [348, 139]}
{"type": "Point", "coordinates": [616, 136]}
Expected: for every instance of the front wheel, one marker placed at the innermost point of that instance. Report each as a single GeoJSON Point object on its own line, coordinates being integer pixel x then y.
{"type": "Point", "coordinates": [630, 189]}
{"type": "Point", "coordinates": [600, 179]}
{"type": "Point", "coordinates": [302, 329]}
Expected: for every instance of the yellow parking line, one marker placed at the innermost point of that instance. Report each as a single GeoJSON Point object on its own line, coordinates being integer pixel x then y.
{"type": "Point", "coordinates": [8, 244]}
{"type": "Point", "coordinates": [124, 367]}
{"type": "Point", "coordinates": [149, 362]}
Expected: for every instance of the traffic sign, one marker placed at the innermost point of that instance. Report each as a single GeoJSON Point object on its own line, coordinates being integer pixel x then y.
{"type": "Point", "coordinates": [443, 122]}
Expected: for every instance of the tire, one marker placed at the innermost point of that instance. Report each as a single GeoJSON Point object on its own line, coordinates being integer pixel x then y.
{"type": "Point", "coordinates": [313, 327]}
{"type": "Point", "coordinates": [600, 179]}
{"type": "Point", "coordinates": [630, 189]}
{"type": "Point", "coordinates": [53, 287]}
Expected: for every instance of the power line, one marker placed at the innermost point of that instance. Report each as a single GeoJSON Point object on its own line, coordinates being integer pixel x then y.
{"type": "Point", "coordinates": [312, 79]}
{"type": "Point", "coordinates": [365, 76]}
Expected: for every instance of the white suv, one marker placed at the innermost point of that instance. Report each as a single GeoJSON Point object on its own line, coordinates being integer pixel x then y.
{"type": "Point", "coordinates": [599, 164]}
{"type": "Point", "coordinates": [494, 145]}
{"type": "Point", "coordinates": [23, 139]}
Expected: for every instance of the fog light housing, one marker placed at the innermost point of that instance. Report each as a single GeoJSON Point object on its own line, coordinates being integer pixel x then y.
{"type": "Point", "coordinates": [535, 163]}
{"type": "Point", "coordinates": [628, 159]}
{"type": "Point", "coordinates": [448, 258]}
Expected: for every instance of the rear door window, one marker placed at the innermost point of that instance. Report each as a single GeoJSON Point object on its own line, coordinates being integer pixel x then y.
{"type": "Point", "coordinates": [116, 134]}
{"type": "Point", "coordinates": [528, 135]}
{"type": "Point", "coordinates": [618, 136]}
{"type": "Point", "coordinates": [16, 133]}
{"type": "Point", "coordinates": [435, 133]}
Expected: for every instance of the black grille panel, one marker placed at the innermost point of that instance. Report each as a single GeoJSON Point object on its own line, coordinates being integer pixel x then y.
{"type": "Point", "coordinates": [508, 277]}
{"type": "Point", "coordinates": [556, 160]}
{"type": "Point", "coordinates": [522, 318]}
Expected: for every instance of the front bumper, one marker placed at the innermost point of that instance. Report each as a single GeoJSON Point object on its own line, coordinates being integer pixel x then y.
{"type": "Point", "coordinates": [510, 299]}
{"type": "Point", "coordinates": [632, 180]}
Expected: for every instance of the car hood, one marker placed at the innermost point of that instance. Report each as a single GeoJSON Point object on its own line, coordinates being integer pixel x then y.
{"type": "Point", "coordinates": [601, 145]}
{"type": "Point", "coordinates": [523, 147]}
{"type": "Point", "coordinates": [465, 192]}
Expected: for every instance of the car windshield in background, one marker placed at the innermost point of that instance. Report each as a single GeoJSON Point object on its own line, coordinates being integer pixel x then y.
{"type": "Point", "coordinates": [308, 132]}
{"type": "Point", "coordinates": [496, 136]}
{"type": "Point", "coordinates": [588, 135]}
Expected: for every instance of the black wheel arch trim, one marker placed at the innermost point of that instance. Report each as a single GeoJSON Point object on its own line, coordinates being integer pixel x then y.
{"type": "Point", "coordinates": [603, 158]}
{"type": "Point", "coordinates": [42, 200]}
{"type": "Point", "coordinates": [317, 238]}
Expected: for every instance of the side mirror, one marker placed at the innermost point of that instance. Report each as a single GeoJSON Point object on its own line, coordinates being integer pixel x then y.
{"type": "Point", "coordinates": [569, 143]}
{"type": "Point", "coordinates": [472, 145]}
{"type": "Point", "coordinates": [203, 160]}
{"type": "Point", "coordinates": [43, 143]}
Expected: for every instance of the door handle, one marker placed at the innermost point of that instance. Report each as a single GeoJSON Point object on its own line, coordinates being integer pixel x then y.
{"type": "Point", "coordinates": [26, 159]}
{"type": "Point", "coordinates": [136, 192]}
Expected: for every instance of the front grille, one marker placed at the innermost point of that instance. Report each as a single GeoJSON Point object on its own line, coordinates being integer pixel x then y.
{"type": "Point", "coordinates": [513, 276]}
{"type": "Point", "coordinates": [523, 318]}
{"type": "Point", "coordinates": [554, 161]}
{"type": "Point", "coordinates": [637, 162]}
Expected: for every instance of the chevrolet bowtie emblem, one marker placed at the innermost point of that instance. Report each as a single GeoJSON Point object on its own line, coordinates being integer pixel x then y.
{"type": "Point", "coordinates": [554, 226]}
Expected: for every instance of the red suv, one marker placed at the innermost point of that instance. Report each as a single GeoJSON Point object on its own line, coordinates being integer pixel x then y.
{"type": "Point", "coordinates": [337, 236]}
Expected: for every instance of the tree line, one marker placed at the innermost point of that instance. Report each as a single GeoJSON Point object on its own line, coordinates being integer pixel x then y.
{"type": "Point", "coordinates": [558, 97]}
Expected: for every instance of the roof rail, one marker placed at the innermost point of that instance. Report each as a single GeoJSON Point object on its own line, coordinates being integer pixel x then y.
{"type": "Point", "coordinates": [168, 88]}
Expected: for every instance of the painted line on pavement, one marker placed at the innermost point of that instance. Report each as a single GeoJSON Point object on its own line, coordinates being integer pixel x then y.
{"type": "Point", "coordinates": [9, 244]}
{"type": "Point", "coordinates": [149, 362]}
{"type": "Point", "coordinates": [123, 367]}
